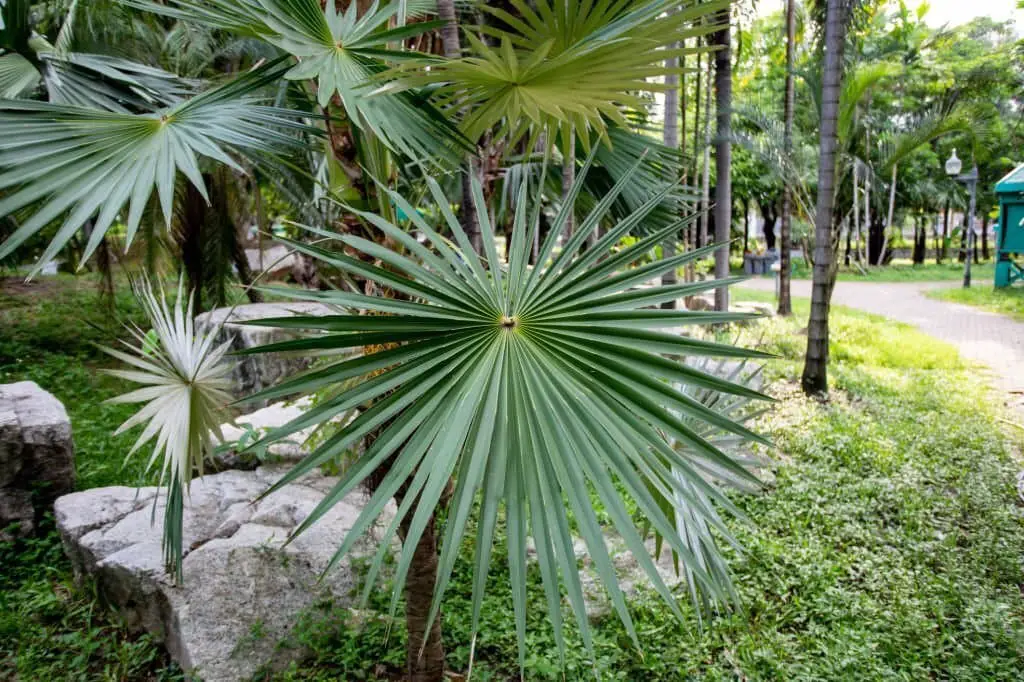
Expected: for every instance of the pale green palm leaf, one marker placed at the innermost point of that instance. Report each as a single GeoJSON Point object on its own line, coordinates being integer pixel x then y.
{"type": "Point", "coordinates": [565, 62]}
{"type": "Point", "coordinates": [82, 163]}
{"type": "Point", "coordinates": [528, 385]}
{"type": "Point", "coordinates": [343, 53]}
{"type": "Point", "coordinates": [185, 383]}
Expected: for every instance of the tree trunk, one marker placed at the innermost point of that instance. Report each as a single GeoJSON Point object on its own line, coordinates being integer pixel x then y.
{"type": "Point", "coordinates": [670, 137]}
{"type": "Point", "coordinates": [746, 225]}
{"type": "Point", "coordinates": [697, 96]}
{"type": "Point", "coordinates": [941, 254]}
{"type": "Point", "coordinates": [419, 591]}
{"type": "Point", "coordinates": [785, 300]}
{"type": "Point", "coordinates": [815, 374]}
{"type": "Point", "coordinates": [706, 185]}
{"type": "Point", "coordinates": [888, 223]}
{"type": "Point", "coordinates": [723, 154]}
{"type": "Point", "coordinates": [569, 176]}
{"type": "Point", "coordinates": [984, 236]}
{"type": "Point", "coordinates": [856, 204]}
{"type": "Point", "coordinates": [920, 240]}
{"type": "Point", "coordinates": [452, 50]}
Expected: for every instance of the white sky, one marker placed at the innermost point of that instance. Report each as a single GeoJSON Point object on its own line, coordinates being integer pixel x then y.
{"type": "Point", "coordinates": [941, 12]}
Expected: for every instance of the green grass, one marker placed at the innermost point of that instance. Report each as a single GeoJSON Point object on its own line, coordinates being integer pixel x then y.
{"type": "Point", "coordinates": [902, 271]}
{"type": "Point", "coordinates": [51, 629]}
{"type": "Point", "coordinates": [889, 545]}
{"type": "Point", "coordinates": [1008, 301]}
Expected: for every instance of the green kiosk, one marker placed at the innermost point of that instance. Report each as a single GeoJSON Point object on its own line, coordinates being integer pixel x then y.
{"type": "Point", "coordinates": [1010, 230]}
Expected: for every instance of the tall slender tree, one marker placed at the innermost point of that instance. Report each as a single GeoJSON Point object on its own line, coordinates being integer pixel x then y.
{"type": "Point", "coordinates": [815, 374]}
{"type": "Point", "coordinates": [723, 152]}
{"type": "Point", "coordinates": [670, 137]}
{"type": "Point", "coordinates": [786, 247]}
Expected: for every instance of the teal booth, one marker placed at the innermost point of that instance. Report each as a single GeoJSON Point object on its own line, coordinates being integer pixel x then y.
{"type": "Point", "coordinates": [1010, 229]}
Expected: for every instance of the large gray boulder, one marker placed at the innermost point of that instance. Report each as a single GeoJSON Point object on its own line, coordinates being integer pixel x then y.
{"type": "Point", "coordinates": [252, 373]}
{"type": "Point", "coordinates": [241, 591]}
{"type": "Point", "coordinates": [37, 456]}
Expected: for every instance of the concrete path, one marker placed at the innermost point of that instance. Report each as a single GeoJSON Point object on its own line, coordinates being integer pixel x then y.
{"type": "Point", "coordinates": [993, 340]}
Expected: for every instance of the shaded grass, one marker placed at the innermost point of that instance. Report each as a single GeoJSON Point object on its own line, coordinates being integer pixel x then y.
{"type": "Point", "coordinates": [1008, 301]}
{"type": "Point", "coordinates": [51, 629]}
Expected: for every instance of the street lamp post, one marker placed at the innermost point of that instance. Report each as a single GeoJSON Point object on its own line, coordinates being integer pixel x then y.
{"type": "Point", "coordinates": [953, 167]}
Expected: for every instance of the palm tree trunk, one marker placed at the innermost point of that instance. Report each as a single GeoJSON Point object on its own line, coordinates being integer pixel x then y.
{"type": "Point", "coordinates": [888, 223]}
{"type": "Point", "coordinates": [723, 154]}
{"type": "Point", "coordinates": [696, 140]}
{"type": "Point", "coordinates": [452, 49]}
{"type": "Point", "coordinates": [706, 185]}
{"type": "Point", "coordinates": [419, 589]}
{"type": "Point", "coordinates": [569, 176]}
{"type": "Point", "coordinates": [984, 236]}
{"type": "Point", "coordinates": [945, 235]}
{"type": "Point", "coordinates": [856, 203]}
{"type": "Point", "coordinates": [670, 137]}
{"type": "Point", "coordinates": [815, 374]}
{"type": "Point", "coordinates": [786, 229]}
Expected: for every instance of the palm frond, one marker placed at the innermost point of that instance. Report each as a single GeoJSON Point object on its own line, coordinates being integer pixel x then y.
{"type": "Point", "coordinates": [343, 53]}
{"type": "Point", "coordinates": [527, 385]}
{"type": "Point", "coordinates": [79, 162]}
{"type": "Point", "coordinates": [579, 63]}
{"type": "Point", "coordinates": [185, 384]}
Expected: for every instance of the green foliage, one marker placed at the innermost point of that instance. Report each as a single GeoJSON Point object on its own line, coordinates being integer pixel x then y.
{"type": "Point", "coordinates": [1006, 301]}
{"type": "Point", "coordinates": [50, 628]}
{"type": "Point", "coordinates": [888, 546]}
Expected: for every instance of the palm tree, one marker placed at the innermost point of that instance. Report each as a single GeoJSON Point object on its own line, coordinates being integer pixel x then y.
{"type": "Point", "coordinates": [461, 338]}
{"type": "Point", "coordinates": [815, 374]}
{"type": "Point", "coordinates": [786, 245]}
{"type": "Point", "coordinates": [723, 152]}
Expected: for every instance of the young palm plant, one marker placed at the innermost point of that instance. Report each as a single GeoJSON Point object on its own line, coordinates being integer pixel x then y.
{"type": "Point", "coordinates": [185, 390]}
{"type": "Point", "coordinates": [488, 384]}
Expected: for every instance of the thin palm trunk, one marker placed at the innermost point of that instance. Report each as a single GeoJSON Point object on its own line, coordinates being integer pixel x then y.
{"type": "Point", "coordinates": [815, 374]}
{"type": "Point", "coordinates": [452, 49]}
{"type": "Point", "coordinates": [786, 247]}
{"type": "Point", "coordinates": [856, 203]}
{"type": "Point", "coordinates": [696, 140]}
{"type": "Point", "coordinates": [945, 235]}
{"type": "Point", "coordinates": [569, 176]}
{"type": "Point", "coordinates": [706, 182]}
{"type": "Point", "coordinates": [670, 137]}
{"type": "Point", "coordinates": [888, 222]}
{"type": "Point", "coordinates": [723, 154]}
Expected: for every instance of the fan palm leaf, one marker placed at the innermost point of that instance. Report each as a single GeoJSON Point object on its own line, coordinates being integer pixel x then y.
{"type": "Point", "coordinates": [343, 53]}
{"type": "Point", "coordinates": [81, 162]}
{"type": "Point", "coordinates": [561, 63]}
{"type": "Point", "coordinates": [529, 385]}
{"type": "Point", "coordinates": [185, 384]}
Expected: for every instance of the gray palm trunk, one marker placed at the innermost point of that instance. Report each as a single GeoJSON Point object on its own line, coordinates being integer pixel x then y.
{"type": "Point", "coordinates": [706, 184]}
{"type": "Point", "coordinates": [723, 155]}
{"type": "Point", "coordinates": [670, 137]}
{"type": "Point", "coordinates": [786, 229]}
{"type": "Point", "coordinates": [452, 49]}
{"type": "Point", "coordinates": [815, 375]}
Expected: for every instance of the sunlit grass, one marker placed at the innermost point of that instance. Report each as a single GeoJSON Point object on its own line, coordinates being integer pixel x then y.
{"type": "Point", "coordinates": [1009, 301]}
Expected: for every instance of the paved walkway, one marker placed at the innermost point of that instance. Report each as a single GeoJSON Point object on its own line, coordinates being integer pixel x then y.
{"type": "Point", "coordinates": [988, 338]}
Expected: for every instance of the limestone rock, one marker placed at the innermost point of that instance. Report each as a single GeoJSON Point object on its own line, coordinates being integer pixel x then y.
{"type": "Point", "coordinates": [252, 373]}
{"type": "Point", "coordinates": [238, 579]}
{"type": "Point", "coordinates": [277, 260]}
{"type": "Point", "coordinates": [37, 455]}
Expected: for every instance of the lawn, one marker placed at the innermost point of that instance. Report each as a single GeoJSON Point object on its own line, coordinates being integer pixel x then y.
{"type": "Point", "coordinates": [1008, 301]}
{"type": "Point", "coordinates": [889, 544]}
{"type": "Point", "coordinates": [901, 271]}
